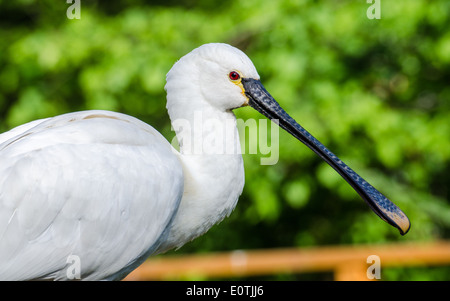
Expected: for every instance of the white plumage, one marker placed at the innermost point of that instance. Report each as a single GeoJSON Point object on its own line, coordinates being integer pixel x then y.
{"type": "Point", "coordinates": [107, 187]}
{"type": "Point", "coordinates": [109, 190]}
{"type": "Point", "coordinates": [84, 184]}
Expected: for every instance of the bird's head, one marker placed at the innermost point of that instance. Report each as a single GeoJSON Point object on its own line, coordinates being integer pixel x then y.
{"type": "Point", "coordinates": [218, 70]}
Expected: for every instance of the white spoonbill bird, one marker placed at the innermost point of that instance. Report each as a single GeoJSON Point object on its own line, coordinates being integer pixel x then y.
{"type": "Point", "coordinates": [103, 190]}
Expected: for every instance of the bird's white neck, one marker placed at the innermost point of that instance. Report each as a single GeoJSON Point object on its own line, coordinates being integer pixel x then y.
{"type": "Point", "coordinates": [213, 170]}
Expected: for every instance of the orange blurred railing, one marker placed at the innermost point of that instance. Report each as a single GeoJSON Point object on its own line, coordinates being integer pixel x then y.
{"type": "Point", "coordinates": [347, 262]}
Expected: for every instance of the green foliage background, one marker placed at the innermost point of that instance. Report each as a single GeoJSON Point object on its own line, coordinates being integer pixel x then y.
{"type": "Point", "coordinates": [376, 92]}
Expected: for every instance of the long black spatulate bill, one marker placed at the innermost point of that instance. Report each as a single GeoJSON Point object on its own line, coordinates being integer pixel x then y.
{"type": "Point", "coordinates": [264, 103]}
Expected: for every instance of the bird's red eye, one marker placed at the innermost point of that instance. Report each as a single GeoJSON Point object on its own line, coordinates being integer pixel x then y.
{"type": "Point", "coordinates": [234, 75]}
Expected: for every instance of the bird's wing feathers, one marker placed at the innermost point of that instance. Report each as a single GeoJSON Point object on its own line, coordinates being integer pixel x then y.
{"type": "Point", "coordinates": [99, 185]}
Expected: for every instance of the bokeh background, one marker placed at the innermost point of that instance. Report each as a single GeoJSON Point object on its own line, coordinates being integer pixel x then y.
{"type": "Point", "coordinates": [376, 92]}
